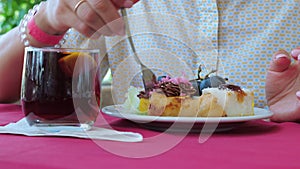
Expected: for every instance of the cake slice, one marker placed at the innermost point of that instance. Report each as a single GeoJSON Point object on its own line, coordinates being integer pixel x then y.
{"type": "Point", "coordinates": [233, 100]}
{"type": "Point", "coordinates": [161, 105]}
{"type": "Point", "coordinates": [169, 97]}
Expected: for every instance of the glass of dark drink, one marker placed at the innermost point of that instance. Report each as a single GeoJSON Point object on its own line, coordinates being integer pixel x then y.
{"type": "Point", "coordinates": [61, 87]}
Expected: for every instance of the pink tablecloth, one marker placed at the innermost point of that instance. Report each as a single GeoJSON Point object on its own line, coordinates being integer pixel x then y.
{"type": "Point", "coordinates": [256, 144]}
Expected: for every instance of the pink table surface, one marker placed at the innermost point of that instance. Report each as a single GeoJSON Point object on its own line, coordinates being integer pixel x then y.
{"type": "Point", "coordinates": [255, 144]}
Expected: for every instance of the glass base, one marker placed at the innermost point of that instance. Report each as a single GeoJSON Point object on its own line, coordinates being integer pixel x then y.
{"type": "Point", "coordinates": [59, 126]}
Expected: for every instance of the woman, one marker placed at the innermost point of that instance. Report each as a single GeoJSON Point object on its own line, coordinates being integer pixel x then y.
{"type": "Point", "coordinates": [236, 37]}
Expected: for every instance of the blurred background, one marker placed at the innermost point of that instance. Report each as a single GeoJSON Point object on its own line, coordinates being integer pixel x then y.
{"type": "Point", "coordinates": [12, 11]}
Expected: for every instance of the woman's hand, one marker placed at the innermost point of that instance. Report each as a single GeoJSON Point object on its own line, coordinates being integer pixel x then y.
{"type": "Point", "coordinates": [283, 86]}
{"type": "Point", "coordinates": [91, 18]}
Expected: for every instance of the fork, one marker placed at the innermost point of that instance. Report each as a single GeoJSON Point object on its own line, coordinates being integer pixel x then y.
{"type": "Point", "coordinates": [149, 78]}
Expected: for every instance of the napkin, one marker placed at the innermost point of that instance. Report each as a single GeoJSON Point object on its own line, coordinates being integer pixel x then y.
{"type": "Point", "coordinates": [23, 128]}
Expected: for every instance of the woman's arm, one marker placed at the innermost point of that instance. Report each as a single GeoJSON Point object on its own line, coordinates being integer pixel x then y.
{"type": "Point", "coordinates": [11, 63]}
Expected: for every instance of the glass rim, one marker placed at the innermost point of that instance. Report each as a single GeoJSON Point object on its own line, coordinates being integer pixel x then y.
{"type": "Point", "coordinates": [53, 49]}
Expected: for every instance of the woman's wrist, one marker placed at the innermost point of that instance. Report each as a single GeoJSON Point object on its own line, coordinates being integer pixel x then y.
{"type": "Point", "coordinates": [39, 35]}
{"type": "Point", "coordinates": [33, 32]}
{"type": "Point", "coordinates": [44, 24]}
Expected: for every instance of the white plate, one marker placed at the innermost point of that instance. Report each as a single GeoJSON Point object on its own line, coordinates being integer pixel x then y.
{"type": "Point", "coordinates": [183, 123]}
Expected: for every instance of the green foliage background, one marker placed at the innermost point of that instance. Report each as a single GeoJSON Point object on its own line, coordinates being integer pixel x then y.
{"type": "Point", "coordinates": [12, 11]}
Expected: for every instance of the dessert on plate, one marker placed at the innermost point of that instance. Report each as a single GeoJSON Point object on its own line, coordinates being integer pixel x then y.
{"type": "Point", "coordinates": [181, 97]}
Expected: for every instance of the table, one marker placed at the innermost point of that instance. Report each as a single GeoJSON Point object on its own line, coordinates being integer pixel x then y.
{"type": "Point", "coordinates": [255, 144]}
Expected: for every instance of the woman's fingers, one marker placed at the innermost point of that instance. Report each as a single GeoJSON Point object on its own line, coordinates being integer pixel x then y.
{"type": "Point", "coordinates": [90, 23]}
{"type": "Point", "coordinates": [296, 53]}
{"type": "Point", "coordinates": [280, 62]}
{"type": "Point", "coordinates": [61, 15]}
{"type": "Point", "coordinates": [91, 18]}
{"type": "Point", "coordinates": [298, 95]}
{"type": "Point", "coordinates": [109, 14]}
{"type": "Point", "coordinates": [123, 4]}
{"type": "Point", "coordinates": [97, 17]}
